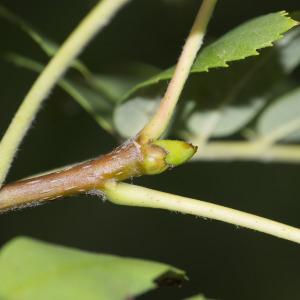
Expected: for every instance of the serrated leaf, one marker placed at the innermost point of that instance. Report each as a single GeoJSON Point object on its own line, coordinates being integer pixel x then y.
{"type": "Point", "coordinates": [244, 41]}
{"type": "Point", "coordinates": [31, 269]}
{"type": "Point", "coordinates": [281, 120]}
{"type": "Point", "coordinates": [93, 102]}
{"type": "Point", "coordinates": [244, 89]}
{"type": "Point", "coordinates": [241, 42]}
{"type": "Point", "coordinates": [227, 101]}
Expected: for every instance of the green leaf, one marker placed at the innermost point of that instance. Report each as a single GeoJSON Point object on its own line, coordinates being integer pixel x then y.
{"type": "Point", "coordinates": [241, 42]}
{"type": "Point", "coordinates": [93, 102]}
{"type": "Point", "coordinates": [281, 120]}
{"type": "Point", "coordinates": [242, 91]}
{"type": "Point", "coordinates": [30, 269]}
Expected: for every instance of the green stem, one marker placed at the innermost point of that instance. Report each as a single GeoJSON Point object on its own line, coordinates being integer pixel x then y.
{"type": "Point", "coordinates": [89, 26]}
{"type": "Point", "coordinates": [248, 151]}
{"type": "Point", "coordinates": [128, 194]}
{"type": "Point", "coordinates": [159, 122]}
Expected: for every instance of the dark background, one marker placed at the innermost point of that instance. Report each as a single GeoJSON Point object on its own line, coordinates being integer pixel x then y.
{"type": "Point", "coordinates": [222, 261]}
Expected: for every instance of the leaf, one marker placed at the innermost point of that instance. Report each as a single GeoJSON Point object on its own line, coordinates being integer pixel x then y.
{"type": "Point", "coordinates": [119, 81]}
{"type": "Point", "coordinates": [239, 43]}
{"type": "Point", "coordinates": [93, 102]}
{"type": "Point", "coordinates": [240, 97]}
{"type": "Point", "coordinates": [281, 120]}
{"type": "Point", "coordinates": [130, 117]}
{"type": "Point", "coordinates": [242, 91]}
{"type": "Point", "coordinates": [31, 269]}
{"type": "Point", "coordinates": [290, 50]}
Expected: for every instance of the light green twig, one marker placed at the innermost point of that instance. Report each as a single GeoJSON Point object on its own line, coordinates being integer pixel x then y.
{"type": "Point", "coordinates": [89, 26]}
{"type": "Point", "coordinates": [236, 150]}
{"type": "Point", "coordinates": [159, 122]}
{"type": "Point", "coordinates": [128, 194]}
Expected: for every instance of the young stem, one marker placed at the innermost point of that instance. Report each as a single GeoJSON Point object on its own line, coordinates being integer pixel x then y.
{"type": "Point", "coordinates": [127, 194]}
{"type": "Point", "coordinates": [159, 122]}
{"type": "Point", "coordinates": [236, 150]}
{"type": "Point", "coordinates": [89, 26]}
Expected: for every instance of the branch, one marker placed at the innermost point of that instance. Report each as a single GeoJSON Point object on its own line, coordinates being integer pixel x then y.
{"type": "Point", "coordinates": [86, 30]}
{"type": "Point", "coordinates": [128, 160]}
{"type": "Point", "coordinates": [127, 194]}
{"type": "Point", "coordinates": [230, 150]}
{"type": "Point", "coordinates": [159, 122]}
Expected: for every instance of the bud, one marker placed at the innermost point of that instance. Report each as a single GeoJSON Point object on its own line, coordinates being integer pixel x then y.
{"type": "Point", "coordinates": [154, 159]}
{"type": "Point", "coordinates": [178, 152]}
{"type": "Point", "coordinates": [163, 154]}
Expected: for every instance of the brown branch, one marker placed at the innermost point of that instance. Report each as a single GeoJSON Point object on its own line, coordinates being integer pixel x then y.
{"type": "Point", "coordinates": [129, 160]}
{"type": "Point", "coordinates": [120, 164]}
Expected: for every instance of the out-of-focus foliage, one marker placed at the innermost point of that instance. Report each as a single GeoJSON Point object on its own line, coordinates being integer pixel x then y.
{"type": "Point", "coordinates": [242, 90]}
{"type": "Point", "coordinates": [258, 93]}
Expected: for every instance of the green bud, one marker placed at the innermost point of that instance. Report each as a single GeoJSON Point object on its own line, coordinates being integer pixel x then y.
{"type": "Point", "coordinates": [154, 159]}
{"type": "Point", "coordinates": [163, 154]}
{"type": "Point", "coordinates": [178, 152]}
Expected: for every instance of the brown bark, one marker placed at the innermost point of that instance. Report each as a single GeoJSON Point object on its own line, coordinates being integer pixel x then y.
{"type": "Point", "coordinates": [120, 164]}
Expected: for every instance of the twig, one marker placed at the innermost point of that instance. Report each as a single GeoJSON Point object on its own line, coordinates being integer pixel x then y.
{"type": "Point", "coordinates": [159, 122]}
{"type": "Point", "coordinates": [128, 160]}
{"type": "Point", "coordinates": [120, 164]}
{"type": "Point", "coordinates": [127, 194]}
{"type": "Point", "coordinates": [90, 25]}
{"type": "Point", "coordinates": [230, 150]}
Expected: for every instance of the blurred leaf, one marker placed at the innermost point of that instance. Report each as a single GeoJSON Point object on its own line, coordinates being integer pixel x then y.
{"type": "Point", "coordinates": [239, 43]}
{"type": "Point", "coordinates": [282, 118]}
{"type": "Point", "coordinates": [94, 95]}
{"type": "Point", "coordinates": [242, 91]}
{"type": "Point", "coordinates": [118, 82]}
{"type": "Point", "coordinates": [230, 117]}
{"type": "Point", "coordinates": [94, 103]}
{"type": "Point", "coordinates": [30, 269]}
{"type": "Point", "coordinates": [130, 117]}
{"type": "Point", "coordinates": [290, 50]}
